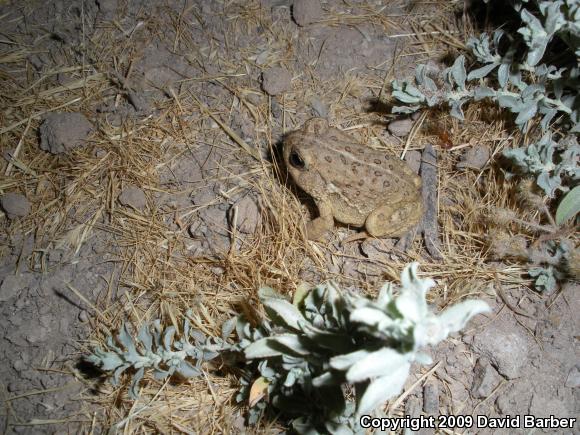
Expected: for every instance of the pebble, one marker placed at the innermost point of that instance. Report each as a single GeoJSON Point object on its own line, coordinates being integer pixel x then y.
{"type": "Point", "coordinates": [413, 159]}
{"type": "Point", "coordinates": [306, 12]}
{"type": "Point", "coordinates": [319, 108]}
{"type": "Point", "coordinates": [61, 132]}
{"type": "Point", "coordinates": [431, 398]}
{"type": "Point", "coordinates": [15, 205]}
{"type": "Point", "coordinates": [475, 157]}
{"type": "Point", "coordinates": [134, 197]}
{"type": "Point", "coordinates": [83, 316]}
{"type": "Point", "coordinates": [573, 379]}
{"type": "Point", "coordinates": [400, 127]}
{"type": "Point", "coordinates": [276, 81]}
{"type": "Point", "coordinates": [485, 379]}
{"type": "Point", "coordinates": [248, 215]}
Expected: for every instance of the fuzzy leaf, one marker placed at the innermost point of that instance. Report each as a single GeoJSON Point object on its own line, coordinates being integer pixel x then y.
{"type": "Point", "coordinates": [482, 92]}
{"type": "Point", "coordinates": [187, 370]}
{"type": "Point", "coordinates": [293, 342]}
{"type": "Point", "coordinates": [457, 111]}
{"type": "Point", "coordinates": [378, 363]}
{"type": "Point", "coordinates": [458, 71]}
{"type": "Point", "coordinates": [134, 390]}
{"type": "Point", "coordinates": [343, 362]}
{"type": "Point", "coordinates": [503, 74]}
{"type": "Point", "coordinates": [370, 316]}
{"type": "Point", "coordinates": [382, 389]}
{"type": "Point", "coordinates": [482, 72]}
{"type": "Point", "coordinates": [549, 184]}
{"type": "Point", "coordinates": [456, 317]}
{"type": "Point", "coordinates": [527, 113]}
{"type": "Point", "coordinates": [126, 340]}
{"type": "Point", "coordinates": [285, 312]}
{"type": "Point", "coordinates": [145, 337]}
{"type": "Point", "coordinates": [569, 206]}
{"type": "Point", "coordinates": [168, 337]}
{"type": "Point", "coordinates": [228, 327]}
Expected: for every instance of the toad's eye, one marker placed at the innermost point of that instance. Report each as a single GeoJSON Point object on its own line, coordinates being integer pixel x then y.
{"type": "Point", "coordinates": [296, 161]}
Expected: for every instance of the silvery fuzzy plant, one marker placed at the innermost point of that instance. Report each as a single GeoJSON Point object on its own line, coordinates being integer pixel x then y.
{"type": "Point", "coordinates": [518, 77]}
{"type": "Point", "coordinates": [517, 80]}
{"type": "Point", "coordinates": [157, 349]}
{"type": "Point", "coordinates": [330, 341]}
{"type": "Point", "coordinates": [525, 86]}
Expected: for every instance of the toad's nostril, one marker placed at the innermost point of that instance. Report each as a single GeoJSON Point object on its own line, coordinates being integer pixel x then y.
{"type": "Point", "coordinates": [296, 161]}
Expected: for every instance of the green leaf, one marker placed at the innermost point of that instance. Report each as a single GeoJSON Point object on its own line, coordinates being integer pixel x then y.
{"type": "Point", "coordinates": [569, 206]}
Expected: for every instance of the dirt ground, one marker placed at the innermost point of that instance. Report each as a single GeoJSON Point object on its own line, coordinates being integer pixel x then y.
{"type": "Point", "coordinates": [141, 139]}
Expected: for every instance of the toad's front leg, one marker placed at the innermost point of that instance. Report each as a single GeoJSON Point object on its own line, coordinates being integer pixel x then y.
{"type": "Point", "coordinates": [316, 228]}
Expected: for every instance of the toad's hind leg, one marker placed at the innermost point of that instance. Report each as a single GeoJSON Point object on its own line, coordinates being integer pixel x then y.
{"type": "Point", "coordinates": [393, 220]}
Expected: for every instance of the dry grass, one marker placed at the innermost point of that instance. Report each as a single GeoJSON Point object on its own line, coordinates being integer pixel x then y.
{"type": "Point", "coordinates": [74, 196]}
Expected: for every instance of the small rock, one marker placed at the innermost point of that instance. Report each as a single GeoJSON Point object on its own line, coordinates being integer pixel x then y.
{"type": "Point", "coordinates": [413, 159]}
{"type": "Point", "coordinates": [319, 108]}
{"type": "Point", "coordinates": [107, 8]}
{"type": "Point", "coordinates": [11, 286]}
{"type": "Point", "coordinates": [37, 334]}
{"type": "Point", "coordinates": [255, 99]}
{"type": "Point", "coordinates": [415, 116]}
{"type": "Point", "coordinates": [83, 316]}
{"type": "Point", "coordinates": [400, 127]}
{"type": "Point", "coordinates": [61, 132]}
{"type": "Point", "coordinates": [475, 157]}
{"type": "Point", "coordinates": [573, 379]}
{"type": "Point", "coordinates": [276, 109]}
{"type": "Point", "coordinates": [140, 102]}
{"type": "Point", "coordinates": [431, 398]}
{"type": "Point", "coordinates": [276, 81]}
{"type": "Point", "coordinates": [132, 196]}
{"type": "Point", "coordinates": [19, 365]}
{"type": "Point", "coordinates": [507, 351]}
{"type": "Point", "coordinates": [15, 205]}
{"type": "Point", "coordinates": [485, 379]}
{"type": "Point", "coordinates": [248, 215]}
{"type": "Point", "coordinates": [306, 12]}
